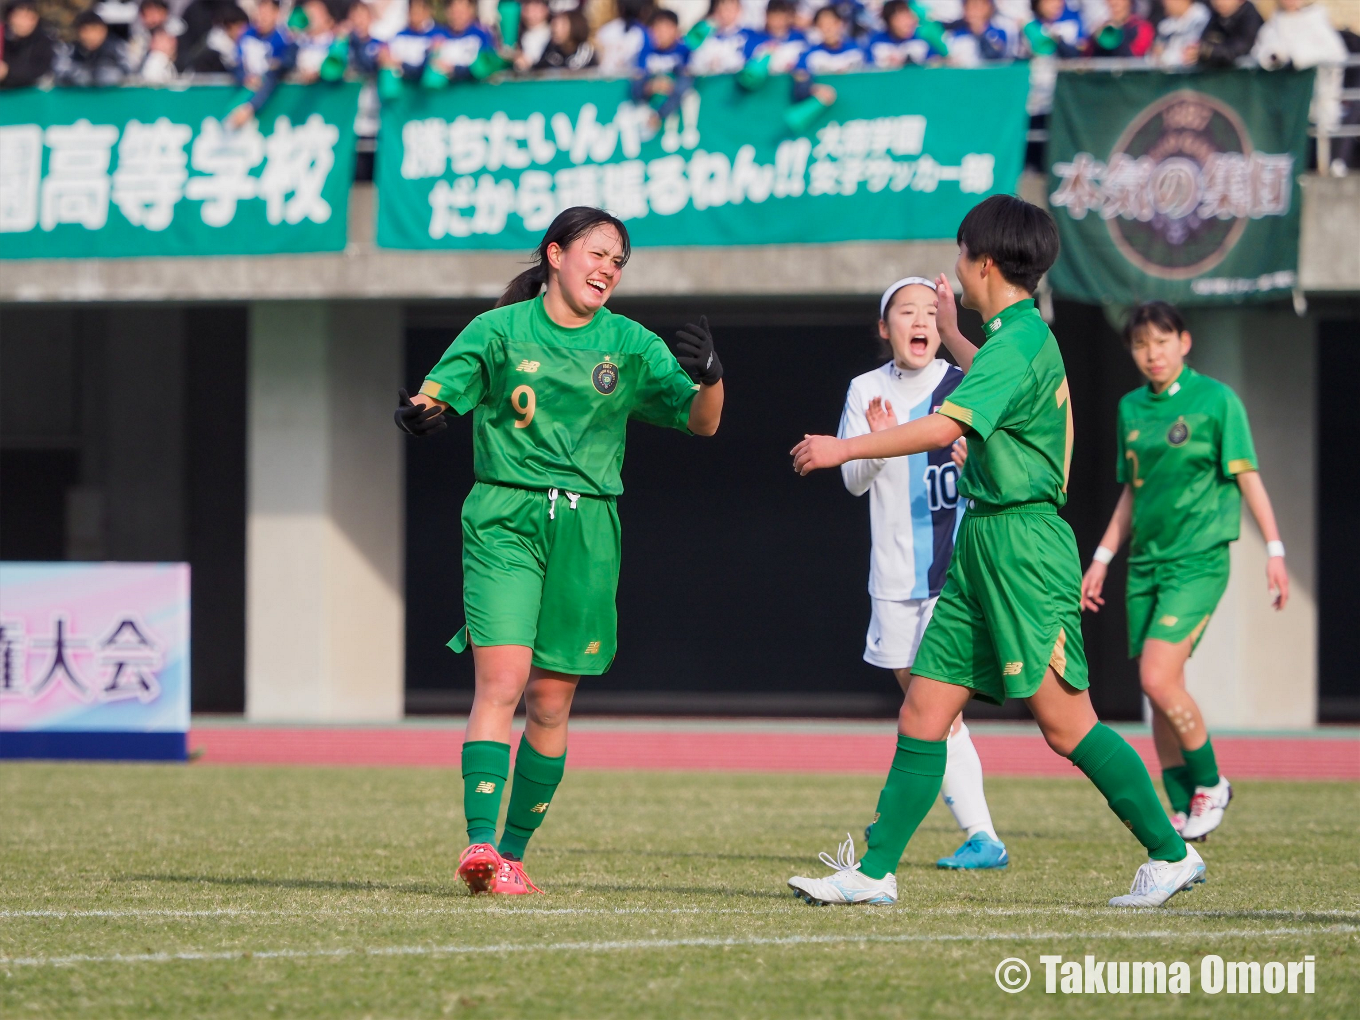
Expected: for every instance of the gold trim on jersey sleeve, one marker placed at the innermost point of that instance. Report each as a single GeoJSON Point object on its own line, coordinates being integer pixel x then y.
{"type": "Point", "coordinates": [953, 410]}
{"type": "Point", "coordinates": [1236, 467]}
{"type": "Point", "coordinates": [431, 389]}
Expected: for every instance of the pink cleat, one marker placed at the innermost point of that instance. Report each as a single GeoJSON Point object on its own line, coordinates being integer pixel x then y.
{"type": "Point", "coordinates": [511, 880]}
{"type": "Point", "coordinates": [479, 867]}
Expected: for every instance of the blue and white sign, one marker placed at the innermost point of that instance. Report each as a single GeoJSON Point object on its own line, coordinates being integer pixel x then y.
{"type": "Point", "coordinates": [94, 660]}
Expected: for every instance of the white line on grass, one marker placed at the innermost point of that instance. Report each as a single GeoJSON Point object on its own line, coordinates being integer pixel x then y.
{"type": "Point", "coordinates": [636, 944]}
{"type": "Point", "coordinates": [499, 911]}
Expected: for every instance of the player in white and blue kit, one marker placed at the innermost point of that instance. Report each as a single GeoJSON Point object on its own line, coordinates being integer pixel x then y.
{"type": "Point", "coordinates": [914, 513]}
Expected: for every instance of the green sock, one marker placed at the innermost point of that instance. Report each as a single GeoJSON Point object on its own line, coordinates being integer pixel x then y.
{"type": "Point", "coordinates": [913, 784]}
{"type": "Point", "coordinates": [536, 779]}
{"type": "Point", "coordinates": [1201, 765]}
{"type": "Point", "coordinates": [1179, 788]}
{"type": "Point", "coordinates": [486, 764]}
{"type": "Point", "coordinates": [1119, 774]}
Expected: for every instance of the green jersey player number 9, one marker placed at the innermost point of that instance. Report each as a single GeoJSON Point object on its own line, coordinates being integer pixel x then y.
{"type": "Point", "coordinates": [552, 378]}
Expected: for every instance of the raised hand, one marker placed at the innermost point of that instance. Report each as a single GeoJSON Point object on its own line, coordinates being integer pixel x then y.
{"type": "Point", "coordinates": [947, 310]}
{"type": "Point", "coordinates": [694, 351]}
{"type": "Point", "coordinates": [817, 452]}
{"type": "Point", "coordinates": [880, 415]}
{"type": "Point", "coordinates": [417, 420]}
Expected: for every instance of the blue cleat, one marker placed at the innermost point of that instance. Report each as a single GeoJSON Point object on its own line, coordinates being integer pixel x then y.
{"type": "Point", "coordinates": [980, 851]}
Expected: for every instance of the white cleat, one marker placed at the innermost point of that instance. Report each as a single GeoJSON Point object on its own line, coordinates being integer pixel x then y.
{"type": "Point", "coordinates": [1178, 820]}
{"type": "Point", "coordinates": [846, 883]}
{"type": "Point", "coordinates": [1157, 881]}
{"type": "Point", "coordinates": [1206, 809]}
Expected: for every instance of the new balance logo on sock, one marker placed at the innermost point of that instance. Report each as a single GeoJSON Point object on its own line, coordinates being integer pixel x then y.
{"type": "Point", "coordinates": [486, 787]}
{"type": "Point", "coordinates": [1012, 668]}
{"type": "Point", "coordinates": [540, 808]}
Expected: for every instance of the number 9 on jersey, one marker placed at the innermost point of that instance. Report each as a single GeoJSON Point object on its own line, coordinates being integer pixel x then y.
{"type": "Point", "coordinates": [524, 401]}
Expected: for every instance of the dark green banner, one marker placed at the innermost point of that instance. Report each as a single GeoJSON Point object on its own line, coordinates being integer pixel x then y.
{"type": "Point", "coordinates": [900, 155]}
{"type": "Point", "coordinates": [1178, 187]}
{"type": "Point", "coordinates": [139, 171]}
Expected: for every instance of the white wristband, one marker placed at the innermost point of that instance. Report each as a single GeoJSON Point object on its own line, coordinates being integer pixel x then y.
{"type": "Point", "coordinates": [1102, 555]}
{"type": "Point", "coordinates": [1275, 548]}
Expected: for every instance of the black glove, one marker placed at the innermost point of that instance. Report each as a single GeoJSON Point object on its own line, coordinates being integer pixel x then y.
{"type": "Point", "coordinates": [418, 421]}
{"type": "Point", "coordinates": [694, 350]}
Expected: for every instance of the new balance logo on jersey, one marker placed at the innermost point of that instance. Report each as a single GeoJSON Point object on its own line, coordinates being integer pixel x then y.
{"type": "Point", "coordinates": [1012, 668]}
{"type": "Point", "coordinates": [593, 648]}
{"type": "Point", "coordinates": [1168, 621]}
{"type": "Point", "coordinates": [527, 366]}
{"type": "Point", "coordinates": [541, 808]}
{"type": "Point", "coordinates": [486, 787]}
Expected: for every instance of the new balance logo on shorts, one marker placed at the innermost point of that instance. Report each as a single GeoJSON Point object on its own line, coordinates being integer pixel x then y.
{"type": "Point", "coordinates": [486, 787]}
{"type": "Point", "coordinates": [527, 366]}
{"type": "Point", "coordinates": [1012, 668]}
{"type": "Point", "coordinates": [593, 648]}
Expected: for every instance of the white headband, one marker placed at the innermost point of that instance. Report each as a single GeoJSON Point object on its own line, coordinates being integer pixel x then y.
{"type": "Point", "coordinates": [887, 294]}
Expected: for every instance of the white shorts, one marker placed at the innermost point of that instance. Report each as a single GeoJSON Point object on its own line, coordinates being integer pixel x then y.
{"type": "Point", "coordinates": [895, 631]}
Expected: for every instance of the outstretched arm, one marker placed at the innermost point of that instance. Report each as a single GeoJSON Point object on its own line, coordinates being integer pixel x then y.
{"type": "Point", "coordinates": [947, 322]}
{"type": "Point", "coordinates": [933, 432]}
{"type": "Point", "coordinates": [1254, 492]}
{"type": "Point", "coordinates": [1093, 583]}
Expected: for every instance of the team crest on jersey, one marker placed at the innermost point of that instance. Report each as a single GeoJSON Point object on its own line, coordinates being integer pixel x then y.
{"type": "Point", "coordinates": [1178, 434]}
{"type": "Point", "coordinates": [605, 377]}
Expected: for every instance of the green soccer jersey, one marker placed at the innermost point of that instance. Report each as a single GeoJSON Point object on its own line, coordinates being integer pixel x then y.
{"type": "Point", "coordinates": [1181, 451]}
{"type": "Point", "coordinates": [552, 404]}
{"type": "Point", "coordinates": [1015, 403]}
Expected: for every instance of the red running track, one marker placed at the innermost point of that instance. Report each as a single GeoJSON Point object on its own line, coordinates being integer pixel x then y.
{"type": "Point", "coordinates": [1020, 754]}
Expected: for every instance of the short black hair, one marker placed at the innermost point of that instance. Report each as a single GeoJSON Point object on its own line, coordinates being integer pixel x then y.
{"type": "Point", "coordinates": [89, 17]}
{"type": "Point", "coordinates": [831, 9]}
{"type": "Point", "coordinates": [162, 4]}
{"type": "Point", "coordinates": [1020, 238]}
{"type": "Point", "coordinates": [780, 7]}
{"type": "Point", "coordinates": [892, 8]}
{"type": "Point", "coordinates": [1159, 314]}
{"type": "Point", "coordinates": [233, 15]}
{"type": "Point", "coordinates": [664, 14]}
{"type": "Point", "coordinates": [16, 5]}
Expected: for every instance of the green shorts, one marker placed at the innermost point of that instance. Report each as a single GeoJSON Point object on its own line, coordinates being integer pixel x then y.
{"type": "Point", "coordinates": [1174, 600]}
{"type": "Point", "coordinates": [1011, 605]}
{"type": "Point", "coordinates": [541, 569]}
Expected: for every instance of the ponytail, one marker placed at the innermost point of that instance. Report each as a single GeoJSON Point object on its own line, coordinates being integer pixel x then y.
{"type": "Point", "coordinates": [526, 286]}
{"type": "Point", "coordinates": [570, 225]}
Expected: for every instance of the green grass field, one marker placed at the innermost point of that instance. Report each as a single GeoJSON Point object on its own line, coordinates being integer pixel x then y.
{"type": "Point", "coordinates": [150, 891]}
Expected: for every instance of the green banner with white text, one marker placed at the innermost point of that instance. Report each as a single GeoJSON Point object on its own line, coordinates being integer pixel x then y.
{"type": "Point", "coordinates": [111, 172]}
{"type": "Point", "coordinates": [1178, 187]}
{"type": "Point", "coordinates": [900, 155]}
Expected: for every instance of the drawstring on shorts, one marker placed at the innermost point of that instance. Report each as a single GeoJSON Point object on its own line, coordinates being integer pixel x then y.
{"type": "Point", "coordinates": [572, 497]}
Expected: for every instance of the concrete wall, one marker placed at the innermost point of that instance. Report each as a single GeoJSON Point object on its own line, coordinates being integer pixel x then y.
{"type": "Point", "coordinates": [1329, 262]}
{"type": "Point", "coordinates": [325, 602]}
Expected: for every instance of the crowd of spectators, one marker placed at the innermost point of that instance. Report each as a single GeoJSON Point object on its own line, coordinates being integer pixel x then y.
{"type": "Point", "coordinates": [662, 45]}
{"type": "Point", "coordinates": [78, 42]}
